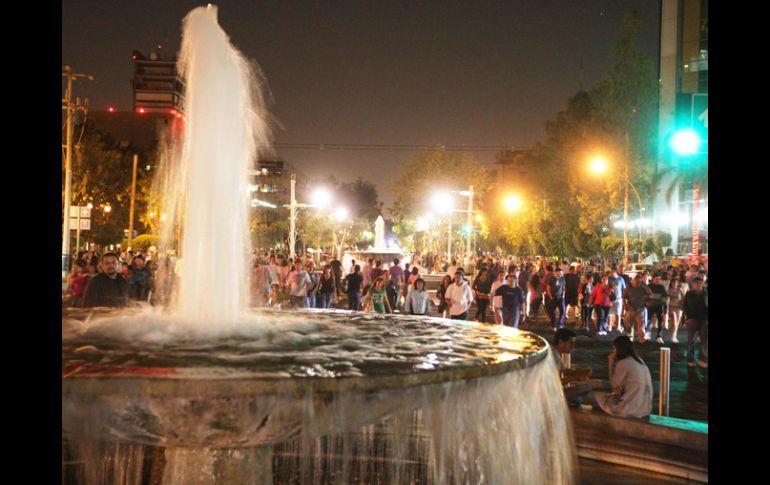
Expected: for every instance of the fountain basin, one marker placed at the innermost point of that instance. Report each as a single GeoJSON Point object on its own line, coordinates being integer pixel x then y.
{"type": "Point", "coordinates": [167, 396]}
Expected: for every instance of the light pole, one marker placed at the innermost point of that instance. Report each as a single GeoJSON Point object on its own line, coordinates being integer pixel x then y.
{"type": "Point", "coordinates": [69, 107]}
{"type": "Point", "coordinates": [599, 166]}
{"type": "Point", "coordinates": [131, 210]}
{"type": "Point", "coordinates": [442, 201]}
{"type": "Point", "coordinates": [322, 199]}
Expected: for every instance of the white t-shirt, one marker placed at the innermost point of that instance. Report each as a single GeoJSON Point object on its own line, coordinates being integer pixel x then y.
{"type": "Point", "coordinates": [298, 283]}
{"type": "Point", "coordinates": [461, 298]}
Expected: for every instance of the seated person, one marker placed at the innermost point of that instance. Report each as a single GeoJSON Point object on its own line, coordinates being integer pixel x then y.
{"type": "Point", "coordinates": [631, 395]}
{"type": "Point", "coordinates": [575, 381]}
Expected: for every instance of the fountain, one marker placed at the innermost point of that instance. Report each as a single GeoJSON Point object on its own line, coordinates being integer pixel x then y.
{"type": "Point", "coordinates": [208, 392]}
{"type": "Point", "coordinates": [379, 252]}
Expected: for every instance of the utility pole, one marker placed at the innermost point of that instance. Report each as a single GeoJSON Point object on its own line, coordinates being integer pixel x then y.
{"type": "Point", "coordinates": [293, 217]}
{"type": "Point", "coordinates": [470, 227]}
{"type": "Point", "coordinates": [70, 107]}
{"type": "Point", "coordinates": [131, 211]}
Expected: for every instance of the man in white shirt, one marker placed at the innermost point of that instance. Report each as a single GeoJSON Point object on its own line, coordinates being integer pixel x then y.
{"type": "Point", "coordinates": [298, 282]}
{"type": "Point", "coordinates": [459, 297]}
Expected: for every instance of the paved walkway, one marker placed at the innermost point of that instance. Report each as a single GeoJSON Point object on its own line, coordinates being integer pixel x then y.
{"type": "Point", "coordinates": [688, 387]}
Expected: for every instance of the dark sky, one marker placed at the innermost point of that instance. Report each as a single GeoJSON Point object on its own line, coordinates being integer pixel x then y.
{"type": "Point", "coordinates": [467, 72]}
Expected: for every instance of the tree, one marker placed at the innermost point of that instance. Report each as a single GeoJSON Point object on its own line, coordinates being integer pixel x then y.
{"type": "Point", "coordinates": [428, 171]}
{"type": "Point", "coordinates": [102, 175]}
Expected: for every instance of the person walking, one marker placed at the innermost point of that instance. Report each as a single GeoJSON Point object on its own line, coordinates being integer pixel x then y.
{"type": "Point", "coordinates": [696, 315]}
{"type": "Point", "coordinates": [326, 288]}
{"type": "Point", "coordinates": [443, 307]}
{"type": "Point", "coordinates": [497, 300]}
{"type": "Point", "coordinates": [262, 283]}
{"type": "Point", "coordinates": [352, 286]}
{"type": "Point", "coordinates": [587, 306]}
{"type": "Point", "coordinates": [657, 305]}
{"type": "Point", "coordinates": [676, 292]}
{"type": "Point", "coordinates": [298, 282]}
{"type": "Point", "coordinates": [618, 285]}
{"type": "Point", "coordinates": [513, 301]}
{"type": "Point", "coordinates": [459, 297]}
{"type": "Point", "coordinates": [636, 307]}
{"type": "Point", "coordinates": [555, 297]}
{"type": "Point", "coordinates": [417, 299]}
{"type": "Point", "coordinates": [571, 294]}
{"type": "Point", "coordinates": [377, 300]}
{"type": "Point", "coordinates": [601, 299]}
{"type": "Point", "coordinates": [482, 287]}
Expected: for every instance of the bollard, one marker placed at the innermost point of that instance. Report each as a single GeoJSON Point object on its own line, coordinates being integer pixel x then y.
{"type": "Point", "coordinates": [665, 379]}
{"type": "Point", "coordinates": [566, 361]}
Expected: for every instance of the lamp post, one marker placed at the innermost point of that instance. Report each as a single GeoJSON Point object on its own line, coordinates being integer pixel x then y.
{"type": "Point", "coordinates": [321, 197]}
{"type": "Point", "coordinates": [442, 202]}
{"type": "Point", "coordinates": [598, 166]}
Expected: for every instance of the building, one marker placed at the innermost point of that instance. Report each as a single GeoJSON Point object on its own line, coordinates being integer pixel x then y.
{"type": "Point", "coordinates": [683, 104]}
{"type": "Point", "coordinates": [157, 86]}
{"type": "Point", "coordinates": [270, 183]}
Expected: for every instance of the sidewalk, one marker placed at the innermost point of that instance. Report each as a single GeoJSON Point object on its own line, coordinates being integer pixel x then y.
{"type": "Point", "coordinates": [688, 398]}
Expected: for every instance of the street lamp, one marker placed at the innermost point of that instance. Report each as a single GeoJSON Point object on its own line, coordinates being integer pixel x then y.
{"type": "Point", "coordinates": [512, 203]}
{"type": "Point", "coordinates": [599, 166]}
{"type": "Point", "coordinates": [444, 203]}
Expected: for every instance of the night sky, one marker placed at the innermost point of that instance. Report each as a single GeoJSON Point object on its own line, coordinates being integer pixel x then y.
{"type": "Point", "coordinates": [480, 73]}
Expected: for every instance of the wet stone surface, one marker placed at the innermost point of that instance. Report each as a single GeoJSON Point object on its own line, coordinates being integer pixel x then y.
{"type": "Point", "coordinates": [271, 344]}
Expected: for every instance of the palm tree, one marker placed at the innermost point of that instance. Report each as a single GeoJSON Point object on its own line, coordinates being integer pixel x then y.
{"type": "Point", "coordinates": [696, 175]}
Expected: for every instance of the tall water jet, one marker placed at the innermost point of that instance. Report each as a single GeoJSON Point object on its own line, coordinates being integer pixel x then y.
{"type": "Point", "coordinates": [225, 128]}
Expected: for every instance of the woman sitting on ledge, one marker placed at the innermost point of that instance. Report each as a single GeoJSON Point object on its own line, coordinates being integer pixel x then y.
{"type": "Point", "coordinates": [631, 395]}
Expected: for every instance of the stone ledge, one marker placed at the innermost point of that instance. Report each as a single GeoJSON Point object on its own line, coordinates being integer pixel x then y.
{"type": "Point", "coordinates": [669, 446]}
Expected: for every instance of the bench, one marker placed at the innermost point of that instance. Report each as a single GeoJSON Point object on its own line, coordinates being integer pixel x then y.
{"type": "Point", "coordinates": [659, 444]}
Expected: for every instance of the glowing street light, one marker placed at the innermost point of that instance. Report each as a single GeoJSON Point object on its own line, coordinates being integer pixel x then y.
{"type": "Point", "coordinates": [321, 197]}
{"type": "Point", "coordinates": [599, 165]}
{"type": "Point", "coordinates": [341, 214]}
{"type": "Point", "coordinates": [442, 202]}
{"type": "Point", "coordinates": [512, 203]}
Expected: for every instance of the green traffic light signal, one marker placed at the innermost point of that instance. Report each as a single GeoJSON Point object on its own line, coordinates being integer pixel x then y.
{"type": "Point", "coordinates": [685, 142]}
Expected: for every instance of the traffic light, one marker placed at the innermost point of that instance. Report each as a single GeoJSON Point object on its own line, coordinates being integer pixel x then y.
{"type": "Point", "coordinates": [685, 142]}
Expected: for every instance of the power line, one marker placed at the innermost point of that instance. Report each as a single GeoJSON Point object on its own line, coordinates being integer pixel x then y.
{"type": "Point", "coordinates": [389, 147]}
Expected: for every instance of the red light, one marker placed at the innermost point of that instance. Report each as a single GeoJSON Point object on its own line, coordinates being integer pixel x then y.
{"type": "Point", "coordinates": [141, 110]}
{"type": "Point", "coordinates": [111, 109]}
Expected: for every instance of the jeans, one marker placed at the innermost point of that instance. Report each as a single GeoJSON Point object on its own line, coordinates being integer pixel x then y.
{"type": "Point", "coordinates": [511, 317]}
{"type": "Point", "coordinates": [637, 319]}
{"type": "Point", "coordinates": [602, 312]}
{"type": "Point", "coordinates": [311, 301]}
{"type": "Point", "coordinates": [481, 310]}
{"type": "Point", "coordinates": [586, 312]}
{"type": "Point", "coordinates": [552, 306]}
{"type": "Point", "coordinates": [325, 300]}
{"type": "Point", "coordinates": [298, 301]}
{"type": "Point", "coordinates": [697, 328]}
{"type": "Point", "coordinates": [393, 291]}
{"type": "Point", "coordinates": [354, 301]}
{"type": "Point", "coordinates": [658, 311]}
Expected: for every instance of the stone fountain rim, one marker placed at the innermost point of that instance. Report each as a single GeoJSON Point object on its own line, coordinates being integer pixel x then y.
{"type": "Point", "coordinates": [239, 386]}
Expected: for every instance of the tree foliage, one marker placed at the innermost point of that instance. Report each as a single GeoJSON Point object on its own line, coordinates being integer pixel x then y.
{"type": "Point", "coordinates": [102, 175]}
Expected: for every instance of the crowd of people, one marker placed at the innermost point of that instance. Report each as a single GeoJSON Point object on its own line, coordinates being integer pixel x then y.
{"type": "Point", "coordinates": [512, 290]}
